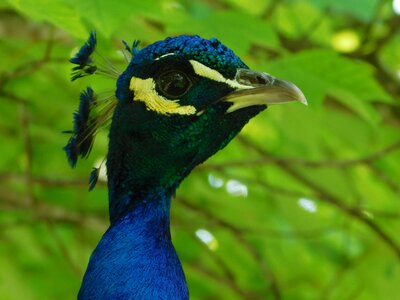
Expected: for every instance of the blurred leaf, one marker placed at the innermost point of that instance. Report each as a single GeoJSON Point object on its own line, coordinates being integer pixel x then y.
{"type": "Point", "coordinates": [54, 12]}
{"type": "Point", "coordinates": [256, 7]}
{"type": "Point", "coordinates": [343, 146]}
{"type": "Point", "coordinates": [107, 18]}
{"type": "Point", "coordinates": [364, 10]}
{"type": "Point", "coordinates": [320, 72]}
{"type": "Point", "coordinates": [291, 22]}
{"type": "Point", "coordinates": [229, 26]}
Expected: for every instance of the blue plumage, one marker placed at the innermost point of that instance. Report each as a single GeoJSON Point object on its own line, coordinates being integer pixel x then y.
{"type": "Point", "coordinates": [71, 150]}
{"type": "Point", "coordinates": [83, 59]}
{"type": "Point", "coordinates": [135, 258]}
{"type": "Point", "coordinates": [93, 178]}
{"type": "Point", "coordinates": [180, 100]}
{"type": "Point", "coordinates": [211, 53]}
{"type": "Point", "coordinates": [134, 49]}
{"type": "Point", "coordinates": [82, 135]}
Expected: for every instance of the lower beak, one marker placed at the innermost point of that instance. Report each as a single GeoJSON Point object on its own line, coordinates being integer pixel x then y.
{"type": "Point", "coordinates": [258, 88]}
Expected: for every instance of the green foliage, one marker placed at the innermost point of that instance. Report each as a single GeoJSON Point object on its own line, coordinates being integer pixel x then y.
{"type": "Point", "coordinates": [236, 26]}
{"type": "Point", "coordinates": [331, 77]}
{"type": "Point", "coordinates": [350, 8]}
{"type": "Point", "coordinates": [303, 205]}
{"type": "Point", "coordinates": [58, 14]}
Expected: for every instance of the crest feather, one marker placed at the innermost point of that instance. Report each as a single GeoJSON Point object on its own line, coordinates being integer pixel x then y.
{"type": "Point", "coordinates": [94, 177]}
{"type": "Point", "coordinates": [94, 112]}
{"type": "Point", "coordinates": [81, 141]}
{"type": "Point", "coordinates": [83, 59]}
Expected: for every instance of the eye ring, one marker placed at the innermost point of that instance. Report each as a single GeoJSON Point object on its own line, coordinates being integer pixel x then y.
{"type": "Point", "coordinates": [173, 84]}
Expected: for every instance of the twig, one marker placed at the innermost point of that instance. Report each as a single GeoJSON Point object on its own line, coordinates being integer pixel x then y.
{"type": "Point", "coordinates": [26, 138]}
{"type": "Point", "coordinates": [27, 68]}
{"type": "Point", "coordinates": [324, 195]}
{"type": "Point", "coordinates": [64, 250]}
{"type": "Point", "coordinates": [224, 280]}
{"type": "Point", "coordinates": [50, 182]}
{"type": "Point", "coordinates": [340, 163]}
{"type": "Point", "coordinates": [367, 32]}
{"type": "Point", "coordinates": [268, 274]}
{"type": "Point", "coordinates": [269, 11]}
{"type": "Point", "coordinates": [13, 97]}
{"type": "Point", "coordinates": [338, 277]}
{"type": "Point", "coordinates": [52, 213]}
{"type": "Point", "coordinates": [231, 278]}
{"type": "Point", "coordinates": [390, 183]}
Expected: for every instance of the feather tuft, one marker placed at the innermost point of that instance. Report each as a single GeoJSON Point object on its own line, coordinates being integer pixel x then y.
{"type": "Point", "coordinates": [81, 141]}
{"type": "Point", "coordinates": [72, 151]}
{"type": "Point", "coordinates": [83, 59]}
{"type": "Point", "coordinates": [129, 51]}
{"type": "Point", "coordinates": [92, 115]}
{"type": "Point", "coordinates": [127, 47]}
{"type": "Point", "coordinates": [94, 112]}
{"type": "Point", "coordinates": [135, 47]}
{"type": "Point", "coordinates": [94, 177]}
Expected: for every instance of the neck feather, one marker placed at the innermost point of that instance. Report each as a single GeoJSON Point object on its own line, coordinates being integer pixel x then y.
{"type": "Point", "coordinates": [136, 256]}
{"type": "Point", "coordinates": [141, 167]}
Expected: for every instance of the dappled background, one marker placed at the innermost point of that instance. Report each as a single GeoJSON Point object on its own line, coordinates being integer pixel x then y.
{"type": "Point", "coordinates": [304, 204]}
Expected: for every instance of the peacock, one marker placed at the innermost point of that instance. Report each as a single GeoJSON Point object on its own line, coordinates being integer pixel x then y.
{"type": "Point", "coordinates": [179, 101]}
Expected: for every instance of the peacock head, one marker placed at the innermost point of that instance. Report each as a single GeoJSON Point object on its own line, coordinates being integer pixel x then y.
{"type": "Point", "coordinates": [179, 101]}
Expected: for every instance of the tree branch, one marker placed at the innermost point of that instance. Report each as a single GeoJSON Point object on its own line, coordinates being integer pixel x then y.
{"type": "Point", "coordinates": [270, 277]}
{"type": "Point", "coordinates": [328, 163]}
{"type": "Point", "coordinates": [325, 196]}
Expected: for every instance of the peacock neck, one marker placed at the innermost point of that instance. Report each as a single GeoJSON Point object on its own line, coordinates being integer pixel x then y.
{"type": "Point", "coordinates": [145, 205]}
{"type": "Point", "coordinates": [135, 258]}
{"type": "Point", "coordinates": [139, 169]}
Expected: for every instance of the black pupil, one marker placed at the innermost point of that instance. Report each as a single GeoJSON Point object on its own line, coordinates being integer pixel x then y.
{"type": "Point", "coordinates": [173, 84]}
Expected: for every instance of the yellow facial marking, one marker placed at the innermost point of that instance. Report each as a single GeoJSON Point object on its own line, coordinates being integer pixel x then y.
{"type": "Point", "coordinates": [145, 91]}
{"type": "Point", "coordinates": [209, 73]}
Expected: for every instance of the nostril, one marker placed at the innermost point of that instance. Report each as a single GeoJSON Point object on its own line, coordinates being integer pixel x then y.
{"type": "Point", "coordinates": [252, 78]}
{"type": "Point", "coordinates": [249, 80]}
{"type": "Point", "coordinates": [261, 80]}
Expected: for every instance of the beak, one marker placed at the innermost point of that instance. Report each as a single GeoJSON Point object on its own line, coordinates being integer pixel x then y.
{"type": "Point", "coordinates": [258, 88]}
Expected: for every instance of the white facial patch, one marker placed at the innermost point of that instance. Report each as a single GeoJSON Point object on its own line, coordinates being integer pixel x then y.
{"type": "Point", "coordinates": [209, 73]}
{"type": "Point", "coordinates": [165, 55]}
{"type": "Point", "coordinates": [145, 90]}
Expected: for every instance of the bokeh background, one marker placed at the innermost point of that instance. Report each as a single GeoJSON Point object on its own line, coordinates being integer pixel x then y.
{"type": "Point", "coordinates": [304, 204]}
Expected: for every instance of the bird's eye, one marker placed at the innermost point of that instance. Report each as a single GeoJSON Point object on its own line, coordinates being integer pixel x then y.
{"type": "Point", "coordinates": [173, 84]}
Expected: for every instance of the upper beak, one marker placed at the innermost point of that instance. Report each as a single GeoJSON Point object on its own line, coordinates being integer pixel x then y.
{"type": "Point", "coordinates": [258, 88]}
